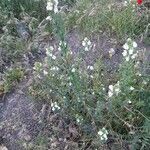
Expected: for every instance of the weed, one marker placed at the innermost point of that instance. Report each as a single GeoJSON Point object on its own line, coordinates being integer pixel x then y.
{"type": "Point", "coordinates": [11, 78]}
{"type": "Point", "coordinates": [93, 17]}
{"type": "Point", "coordinates": [84, 92]}
{"type": "Point", "coordinates": [34, 8]}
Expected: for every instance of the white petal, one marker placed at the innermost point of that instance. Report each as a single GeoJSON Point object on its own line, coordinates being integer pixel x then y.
{"type": "Point", "coordinates": [91, 68]}
{"type": "Point", "coordinates": [110, 94]}
{"type": "Point", "coordinates": [105, 137]}
{"type": "Point", "coordinates": [86, 49]}
{"type": "Point", "coordinates": [127, 58]}
{"type": "Point", "coordinates": [124, 53]}
{"type": "Point", "coordinates": [102, 138]}
{"type": "Point", "coordinates": [85, 39]}
{"type": "Point", "coordinates": [134, 56]}
{"type": "Point", "coordinates": [131, 51]}
{"type": "Point", "coordinates": [49, 18]}
{"type": "Point", "coordinates": [144, 82]}
{"type": "Point", "coordinates": [129, 40]}
{"type": "Point", "coordinates": [53, 108]}
{"type": "Point", "coordinates": [131, 88]}
{"type": "Point", "coordinates": [49, 6]}
{"type": "Point", "coordinates": [129, 102]}
{"type": "Point", "coordinates": [53, 57]}
{"type": "Point", "coordinates": [89, 42]}
{"type": "Point", "coordinates": [117, 90]}
{"type": "Point", "coordinates": [51, 48]}
{"type": "Point", "coordinates": [55, 9]}
{"type": "Point", "coordinates": [126, 46]}
{"type": "Point", "coordinates": [73, 70]}
{"type": "Point", "coordinates": [112, 51]}
{"type": "Point", "coordinates": [111, 87]}
{"type": "Point", "coordinates": [134, 44]}
{"type": "Point", "coordinates": [45, 72]}
{"type": "Point", "coordinates": [91, 76]}
{"type": "Point", "coordinates": [59, 48]}
{"type": "Point", "coordinates": [100, 133]}
{"type": "Point", "coordinates": [84, 43]}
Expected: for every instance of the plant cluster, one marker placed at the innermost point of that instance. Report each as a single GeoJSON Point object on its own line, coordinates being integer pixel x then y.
{"type": "Point", "coordinates": [101, 108]}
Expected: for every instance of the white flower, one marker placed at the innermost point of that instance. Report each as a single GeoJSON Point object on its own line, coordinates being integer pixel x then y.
{"type": "Point", "coordinates": [100, 132]}
{"type": "Point", "coordinates": [85, 39]}
{"type": "Point", "coordinates": [111, 87]}
{"type": "Point", "coordinates": [49, 51]}
{"type": "Point", "coordinates": [83, 43]}
{"type": "Point", "coordinates": [93, 93]}
{"type": "Point", "coordinates": [134, 56]}
{"type": "Point", "coordinates": [55, 9]}
{"type": "Point", "coordinates": [60, 43]}
{"type": "Point", "coordinates": [127, 58]}
{"type": "Point", "coordinates": [52, 5]}
{"type": "Point", "coordinates": [103, 89]}
{"type": "Point", "coordinates": [90, 67]}
{"type": "Point", "coordinates": [49, 54]}
{"type": "Point", "coordinates": [59, 48]}
{"type": "Point", "coordinates": [55, 106]}
{"type": "Point", "coordinates": [117, 90]}
{"type": "Point", "coordinates": [73, 70]}
{"type": "Point", "coordinates": [114, 89]}
{"type": "Point", "coordinates": [70, 84]}
{"type": "Point", "coordinates": [126, 46]}
{"type": "Point", "coordinates": [110, 93]}
{"type": "Point", "coordinates": [45, 72]}
{"type": "Point", "coordinates": [49, 18]}
{"type": "Point", "coordinates": [78, 120]}
{"type": "Point", "coordinates": [131, 50]}
{"type": "Point", "coordinates": [86, 49]}
{"type": "Point", "coordinates": [49, 5]}
{"type": "Point", "coordinates": [65, 44]}
{"type": "Point", "coordinates": [53, 57]}
{"type": "Point", "coordinates": [129, 40]}
{"type": "Point", "coordinates": [131, 88]}
{"type": "Point", "coordinates": [111, 52]}
{"type": "Point", "coordinates": [129, 102]}
{"type": "Point", "coordinates": [103, 134]}
{"type": "Point", "coordinates": [91, 76]}
{"type": "Point", "coordinates": [86, 43]}
{"type": "Point", "coordinates": [117, 87]}
{"type": "Point", "coordinates": [89, 43]}
{"type": "Point", "coordinates": [71, 52]}
{"type": "Point", "coordinates": [125, 3]}
{"type": "Point", "coordinates": [144, 82]}
{"type": "Point", "coordinates": [51, 48]}
{"type": "Point", "coordinates": [125, 53]}
{"type": "Point", "coordinates": [134, 44]}
{"type": "Point", "coordinates": [55, 68]}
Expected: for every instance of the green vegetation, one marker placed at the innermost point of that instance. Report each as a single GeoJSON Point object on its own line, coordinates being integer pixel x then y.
{"type": "Point", "coordinates": [11, 78]}
{"type": "Point", "coordinates": [102, 105]}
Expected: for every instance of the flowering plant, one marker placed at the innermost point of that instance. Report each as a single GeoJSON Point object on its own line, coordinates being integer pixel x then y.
{"type": "Point", "coordinates": [139, 2]}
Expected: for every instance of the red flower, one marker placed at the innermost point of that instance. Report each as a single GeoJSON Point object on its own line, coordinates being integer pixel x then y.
{"type": "Point", "coordinates": [139, 2]}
